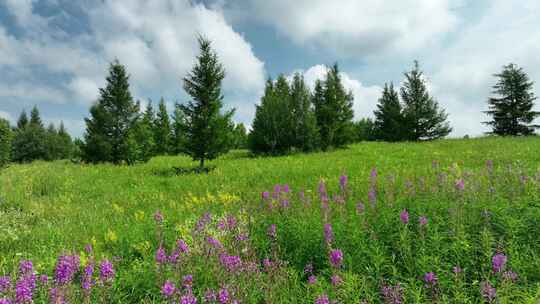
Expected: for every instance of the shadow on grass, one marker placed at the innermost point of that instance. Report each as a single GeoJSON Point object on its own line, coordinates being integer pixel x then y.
{"type": "Point", "coordinates": [175, 171]}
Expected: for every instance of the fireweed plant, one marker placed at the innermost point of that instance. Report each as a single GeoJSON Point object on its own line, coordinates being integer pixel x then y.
{"type": "Point", "coordinates": [448, 236]}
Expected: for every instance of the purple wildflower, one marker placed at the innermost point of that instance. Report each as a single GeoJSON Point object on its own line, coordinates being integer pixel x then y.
{"type": "Point", "coordinates": [488, 292]}
{"type": "Point", "coordinates": [213, 242]}
{"type": "Point", "coordinates": [510, 276]}
{"type": "Point", "coordinates": [286, 188]}
{"type": "Point", "coordinates": [392, 294]}
{"type": "Point", "coordinates": [168, 289]}
{"type": "Point", "coordinates": [457, 270]}
{"type": "Point", "coordinates": [187, 281]}
{"type": "Point", "coordinates": [404, 217]}
{"type": "Point", "coordinates": [267, 263]}
{"type": "Point", "coordinates": [336, 280]}
{"type": "Point", "coordinates": [360, 207]}
{"type": "Point", "coordinates": [265, 195]}
{"type": "Point", "coordinates": [230, 262]}
{"type": "Point", "coordinates": [161, 255]}
{"type": "Point", "coordinates": [460, 185]}
{"type": "Point", "coordinates": [26, 268]}
{"type": "Point", "coordinates": [223, 296]}
{"type": "Point", "coordinates": [343, 179]}
{"type": "Point", "coordinates": [56, 296]}
{"type": "Point", "coordinates": [188, 299]}
{"type": "Point", "coordinates": [322, 299]}
{"type": "Point", "coordinates": [336, 257]}
{"type": "Point", "coordinates": [372, 196]}
{"type": "Point", "coordinates": [308, 268]}
{"type": "Point", "coordinates": [312, 280]}
{"type": "Point", "coordinates": [5, 301]}
{"type": "Point", "coordinates": [328, 233]}
{"type": "Point", "coordinates": [210, 296]}
{"type": "Point", "coordinates": [5, 284]}
{"type": "Point", "coordinates": [88, 248]}
{"type": "Point", "coordinates": [182, 246]}
{"type": "Point", "coordinates": [43, 279]}
{"type": "Point", "coordinates": [66, 268]}
{"type": "Point", "coordinates": [422, 220]}
{"type": "Point", "coordinates": [158, 217]}
{"type": "Point", "coordinates": [272, 231]}
{"type": "Point", "coordinates": [106, 271]}
{"type": "Point", "coordinates": [430, 278]}
{"type": "Point", "coordinates": [373, 174]}
{"type": "Point", "coordinates": [23, 291]}
{"type": "Point", "coordinates": [285, 203]}
{"type": "Point", "coordinates": [87, 281]}
{"type": "Point", "coordinates": [498, 262]}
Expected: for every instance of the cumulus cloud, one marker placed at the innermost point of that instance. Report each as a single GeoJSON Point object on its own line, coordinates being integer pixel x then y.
{"type": "Point", "coordinates": [352, 27]}
{"type": "Point", "coordinates": [365, 97]}
{"type": "Point", "coordinates": [6, 115]}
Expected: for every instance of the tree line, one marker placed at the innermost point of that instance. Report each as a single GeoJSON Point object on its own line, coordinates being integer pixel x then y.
{"type": "Point", "coordinates": [290, 117]}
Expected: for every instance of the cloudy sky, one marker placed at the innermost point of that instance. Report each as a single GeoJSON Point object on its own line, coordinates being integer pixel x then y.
{"type": "Point", "coordinates": [54, 53]}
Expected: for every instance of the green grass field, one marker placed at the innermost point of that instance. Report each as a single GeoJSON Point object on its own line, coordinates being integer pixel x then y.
{"type": "Point", "coordinates": [47, 209]}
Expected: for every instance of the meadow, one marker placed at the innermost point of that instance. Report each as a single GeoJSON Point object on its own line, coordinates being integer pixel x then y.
{"type": "Point", "coordinates": [449, 221]}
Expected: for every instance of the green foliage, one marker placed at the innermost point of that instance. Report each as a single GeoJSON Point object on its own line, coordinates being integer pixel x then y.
{"type": "Point", "coordinates": [304, 122]}
{"type": "Point", "coordinates": [178, 138]}
{"type": "Point", "coordinates": [240, 137]}
{"type": "Point", "coordinates": [365, 130]}
{"type": "Point", "coordinates": [162, 130]}
{"type": "Point", "coordinates": [333, 110]}
{"type": "Point", "coordinates": [208, 132]}
{"type": "Point", "coordinates": [512, 109]}
{"type": "Point", "coordinates": [108, 129]}
{"type": "Point", "coordinates": [6, 137]}
{"type": "Point", "coordinates": [389, 120]}
{"type": "Point", "coordinates": [423, 119]}
{"type": "Point", "coordinates": [22, 122]}
{"type": "Point", "coordinates": [30, 142]}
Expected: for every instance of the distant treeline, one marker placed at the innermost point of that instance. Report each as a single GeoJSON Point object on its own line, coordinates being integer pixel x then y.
{"type": "Point", "coordinates": [289, 118]}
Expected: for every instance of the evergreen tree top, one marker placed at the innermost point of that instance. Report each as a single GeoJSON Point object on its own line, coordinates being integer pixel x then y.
{"type": "Point", "coordinates": [35, 118]}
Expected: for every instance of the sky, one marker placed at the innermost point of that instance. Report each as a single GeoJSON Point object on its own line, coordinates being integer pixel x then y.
{"type": "Point", "coordinates": [55, 53]}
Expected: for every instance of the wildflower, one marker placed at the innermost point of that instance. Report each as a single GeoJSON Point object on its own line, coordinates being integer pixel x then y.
{"type": "Point", "coordinates": [23, 291]}
{"type": "Point", "coordinates": [328, 234]}
{"type": "Point", "coordinates": [312, 280]}
{"type": "Point", "coordinates": [182, 246]}
{"type": "Point", "coordinates": [5, 284]}
{"type": "Point", "coordinates": [158, 217]}
{"type": "Point", "coordinates": [422, 220]}
{"type": "Point", "coordinates": [308, 268]}
{"type": "Point", "coordinates": [272, 231]}
{"type": "Point", "coordinates": [88, 249]}
{"type": "Point", "coordinates": [223, 296]}
{"type": "Point", "coordinates": [285, 203]}
{"type": "Point", "coordinates": [373, 174]}
{"type": "Point", "coordinates": [267, 263]}
{"type": "Point", "coordinates": [161, 255]}
{"type": "Point", "coordinates": [372, 196]}
{"type": "Point", "coordinates": [56, 296]}
{"type": "Point", "coordinates": [106, 271]}
{"type": "Point", "coordinates": [5, 301]}
{"type": "Point", "coordinates": [26, 268]}
{"type": "Point", "coordinates": [404, 217]}
{"type": "Point", "coordinates": [336, 280]}
{"type": "Point", "coordinates": [285, 188]}
{"type": "Point", "coordinates": [343, 179]}
{"type": "Point", "coordinates": [510, 276]}
{"type": "Point", "coordinates": [457, 270]}
{"type": "Point", "coordinates": [323, 299]}
{"type": "Point", "coordinates": [231, 222]}
{"type": "Point", "coordinates": [66, 268]}
{"type": "Point", "coordinates": [188, 299]}
{"type": "Point", "coordinates": [87, 281]}
{"type": "Point", "coordinates": [242, 237]}
{"type": "Point", "coordinates": [187, 281]}
{"type": "Point", "coordinates": [210, 296]}
{"type": "Point", "coordinates": [488, 292]}
{"type": "Point", "coordinates": [221, 225]}
{"type": "Point", "coordinates": [213, 242]}
{"type": "Point", "coordinates": [360, 207]}
{"type": "Point", "coordinates": [265, 195]}
{"type": "Point", "coordinates": [392, 294]}
{"type": "Point", "coordinates": [168, 289]}
{"type": "Point", "coordinates": [230, 262]}
{"type": "Point", "coordinates": [336, 258]}
{"type": "Point", "coordinates": [430, 278]}
{"type": "Point", "coordinates": [322, 188]}
{"type": "Point", "coordinates": [498, 262]}
{"type": "Point", "coordinates": [460, 185]}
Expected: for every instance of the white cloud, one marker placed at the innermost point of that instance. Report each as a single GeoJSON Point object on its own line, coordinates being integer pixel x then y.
{"type": "Point", "coordinates": [6, 115]}
{"type": "Point", "coordinates": [365, 97]}
{"type": "Point", "coordinates": [353, 27]}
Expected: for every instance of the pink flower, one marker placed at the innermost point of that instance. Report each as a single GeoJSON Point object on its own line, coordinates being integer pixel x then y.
{"type": "Point", "coordinates": [404, 217]}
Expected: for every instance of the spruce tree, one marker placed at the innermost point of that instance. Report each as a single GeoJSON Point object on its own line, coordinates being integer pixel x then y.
{"type": "Point", "coordinates": [141, 138]}
{"type": "Point", "coordinates": [30, 141]}
{"type": "Point", "coordinates": [423, 118]}
{"type": "Point", "coordinates": [52, 147]}
{"type": "Point", "coordinates": [6, 137]}
{"type": "Point", "coordinates": [240, 136]}
{"type": "Point", "coordinates": [178, 139]}
{"type": "Point", "coordinates": [65, 143]}
{"type": "Point", "coordinates": [162, 130]}
{"type": "Point", "coordinates": [512, 110]}
{"type": "Point", "coordinates": [388, 116]}
{"type": "Point", "coordinates": [208, 132]}
{"type": "Point", "coordinates": [304, 127]}
{"type": "Point", "coordinates": [107, 137]}
{"type": "Point", "coordinates": [22, 122]}
{"type": "Point", "coordinates": [35, 118]}
{"type": "Point", "coordinates": [333, 108]}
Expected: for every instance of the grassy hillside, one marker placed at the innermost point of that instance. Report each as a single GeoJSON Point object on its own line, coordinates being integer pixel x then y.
{"type": "Point", "coordinates": [47, 209]}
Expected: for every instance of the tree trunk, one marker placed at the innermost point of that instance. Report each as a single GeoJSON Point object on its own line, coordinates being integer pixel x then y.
{"type": "Point", "coordinates": [201, 163]}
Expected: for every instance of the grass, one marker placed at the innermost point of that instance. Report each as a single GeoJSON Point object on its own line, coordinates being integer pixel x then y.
{"type": "Point", "coordinates": [49, 208]}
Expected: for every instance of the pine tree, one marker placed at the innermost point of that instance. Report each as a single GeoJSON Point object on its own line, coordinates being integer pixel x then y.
{"type": "Point", "coordinates": [178, 139]}
{"type": "Point", "coordinates": [22, 122]}
{"type": "Point", "coordinates": [51, 143]}
{"type": "Point", "coordinates": [272, 131]}
{"type": "Point", "coordinates": [6, 137]}
{"type": "Point", "coordinates": [65, 143]}
{"type": "Point", "coordinates": [30, 141]}
{"type": "Point", "coordinates": [333, 108]}
{"type": "Point", "coordinates": [423, 119]}
{"type": "Point", "coordinates": [141, 137]}
{"type": "Point", "coordinates": [208, 132]}
{"type": "Point", "coordinates": [162, 130]}
{"type": "Point", "coordinates": [35, 118]}
{"type": "Point", "coordinates": [512, 109]}
{"type": "Point", "coordinates": [303, 115]}
{"type": "Point", "coordinates": [388, 116]}
{"type": "Point", "coordinates": [107, 137]}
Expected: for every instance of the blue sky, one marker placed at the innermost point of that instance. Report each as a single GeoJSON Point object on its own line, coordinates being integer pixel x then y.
{"type": "Point", "coordinates": [54, 53]}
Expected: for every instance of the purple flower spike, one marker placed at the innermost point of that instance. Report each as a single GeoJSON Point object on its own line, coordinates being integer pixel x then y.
{"type": "Point", "coordinates": [404, 217]}
{"type": "Point", "coordinates": [498, 262]}
{"type": "Point", "coordinates": [323, 299]}
{"type": "Point", "coordinates": [272, 232]}
{"type": "Point", "coordinates": [158, 217]}
{"type": "Point", "coordinates": [168, 289]}
{"type": "Point", "coordinates": [336, 258]}
{"type": "Point", "coordinates": [430, 278]}
{"type": "Point", "coordinates": [422, 220]}
{"type": "Point", "coordinates": [223, 296]}
{"type": "Point", "coordinates": [328, 233]}
{"type": "Point", "coordinates": [5, 284]}
{"type": "Point", "coordinates": [312, 280]}
{"type": "Point", "coordinates": [106, 271]}
{"type": "Point", "coordinates": [488, 292]}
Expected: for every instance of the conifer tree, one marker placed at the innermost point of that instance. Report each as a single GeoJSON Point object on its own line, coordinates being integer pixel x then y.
{"type": "Point", "coordinates": [112, 117]}
{"type": "Point", "coordinates": [51, 143]}
{"type": "Point", "coordinates": [178, 139]}
{"type": "Point", "coordinates": [240, 136]}
{"type": "Point", "coordinates": [35, 118]}
{"type": "Point", "coordinates": [30, 141]}
{"type": "Point", "coordinates": [65, 142]}
{"type": "Point", "coordinates": [388, 116]}
{"type": "Point", "coordinates": [423, 118]}
{"type": "Point", "coordinates": [333, 108]}
{"type": "Point", "coordinates": [22, 122]}
{"type": "Point", "coordinates": [512, 110]}
{"type": "Point", "coordinates": [162, 130]}
{"type": "Point", "coordinates": [304, 127]}
{"type": "Point", "coordinates": [365, 130]}
{"type": "Point", "coordinates": [141, 137]}
{"type": "Point", "coordinates": [6, 137]}
{"type": "Point", "coordinates": [208, 132]}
